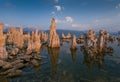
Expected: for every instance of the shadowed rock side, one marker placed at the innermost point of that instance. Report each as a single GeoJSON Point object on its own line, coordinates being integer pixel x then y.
{"type": "Point", "coordinates": [80, 40]}
{"type": "Point", "coordinates": [118, 38]}
{"type": "Point", "coordinates": [54, 40]}
{"type": "Point", "coordinates": [44, 37]}
{"type": "Point", "coordinates": [54, 56]}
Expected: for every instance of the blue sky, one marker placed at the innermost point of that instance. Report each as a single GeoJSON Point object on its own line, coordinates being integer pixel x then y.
{"type": "Point", "coordinates": [69, 14]}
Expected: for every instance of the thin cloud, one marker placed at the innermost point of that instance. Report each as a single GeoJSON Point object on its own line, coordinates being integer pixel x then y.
{"type": "Point", "coordinates": [67, 19]}
{"type": "Point", "coordinates": [80, 26]}
{"type": "Point", "coordinates": [53, 13]}
{"type": "Point", "coordinates": [56, 1]}
{"type": "Point", "coordinates": [58, 8]}
{"type": "Point", "coordinates": [118, 6]}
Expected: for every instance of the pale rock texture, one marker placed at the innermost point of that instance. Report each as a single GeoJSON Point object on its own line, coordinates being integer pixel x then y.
{"type": "Point", "coordinates": [3, 52]}
{"type": "Point", "coordinates": [34, 43]}
{"type": "Point", "coordinates": [68, 36]}
{"type": "Point", "coordinates": [15, 37]}
{"type": "Point", "coordinates": [74, 44]}
{"type": "Point", "coordinates": [54, 40]}
{"type": "Point", "coordinates": [101, 40]}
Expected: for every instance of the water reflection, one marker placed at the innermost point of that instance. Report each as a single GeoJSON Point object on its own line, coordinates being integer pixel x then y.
{"type": "Point", "coordinates": [54, 56]}
{"type": "Point", "coordinates": [118, 42]}
{"type": "Point", "coordinates": [66, 40]}
{"type": "Point", "coordinates": [73, 53]}
{"type": "Point", "coordinates": [92, 57]}
{"type": "Point", "coordinates": [90, 61]}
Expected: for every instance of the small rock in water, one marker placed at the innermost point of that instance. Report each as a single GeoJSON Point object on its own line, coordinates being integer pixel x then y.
{"type": "Point", "coordinates": [35, 62]}
{"type": "Point", "coordinates": [15, 73]}
{"type": "Point", "coordinates": [59, 61]}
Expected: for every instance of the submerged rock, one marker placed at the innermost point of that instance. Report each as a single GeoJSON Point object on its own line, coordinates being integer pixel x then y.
{"type": "Point", "coordinates": [35, 62]}
{"type": "Point", "coordinates": [14, 73]}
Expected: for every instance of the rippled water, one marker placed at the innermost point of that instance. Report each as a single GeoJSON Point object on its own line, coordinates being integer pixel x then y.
{"type": "Point", "coordinates": [65, 65]}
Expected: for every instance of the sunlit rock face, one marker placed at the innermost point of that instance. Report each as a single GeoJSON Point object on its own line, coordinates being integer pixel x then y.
{"type": "Point", "coordinates": [15, 37]}
{"type": "Point", "coordinates": [68, 36]}
{"type": "Point", "coordinates": [3, 52]}
{"type": "Point", "coordinates": [54, 40]}
{"type": "Point", "coordinates": [74, 44]}
{"type": "Point", "coordinates": [34, 43]}
{"type": "Point", "coordinates": [2, 36]}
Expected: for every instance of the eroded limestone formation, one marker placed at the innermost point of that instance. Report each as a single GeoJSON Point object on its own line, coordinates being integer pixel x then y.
{"type": "Point", "coordinates": [80, 40]}
{"type": "Point", "coordinates": [101, 40]}
{"type": "Point", "coordinates": [74, 44]}
{"type": "Point", "coordinates": [54, 40]}
{"type": "Point", "coordinates": [15, 37]}
{"type": "Point", "coordinates": [96, 44]}
{"type": "Point", "coordinates": [68, 36]}
{"type": "Point", "coordinates": [34, 43]}
{"type": "Point", "coordinates": [89, 37]}
{"type": "Point", "coordinates": [3, 52]}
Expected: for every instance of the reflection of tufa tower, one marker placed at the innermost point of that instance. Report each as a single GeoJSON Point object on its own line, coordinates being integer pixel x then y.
{"type": "Point", "coordinates": [54, 56]}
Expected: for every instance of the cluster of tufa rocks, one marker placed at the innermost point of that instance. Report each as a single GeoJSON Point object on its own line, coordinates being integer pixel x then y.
{"type": "Point", "coordinates": [96, 44]}
{"type": "Point", "coordinates": [34, 43]}
{"type": "Point", "coordinates": [17, 50]}
{"type": "Point", "coordinates": [68, 36]}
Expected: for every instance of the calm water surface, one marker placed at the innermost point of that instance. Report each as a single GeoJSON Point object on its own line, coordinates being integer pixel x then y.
{"type": "Point", "coordinates": [65, 65]}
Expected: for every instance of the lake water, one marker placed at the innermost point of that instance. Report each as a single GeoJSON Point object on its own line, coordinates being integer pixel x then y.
{"type": "Point", "coordinates": [63, 65]}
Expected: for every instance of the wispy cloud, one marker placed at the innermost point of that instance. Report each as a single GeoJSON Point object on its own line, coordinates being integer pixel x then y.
{"type": "Point", "coordinates": [67, 19]}
{"type": "Point", "coordinates": [81, 26]}
{"type": "Point", "coordinates": [53, 13]}
{"type": "Point", "coordinates": [118, 6]}
{"type": "Point", "coordinates": [58, 8]}
{"type": "Point", "coordinates": [56, 1]}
